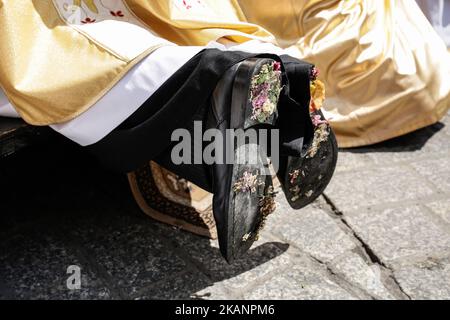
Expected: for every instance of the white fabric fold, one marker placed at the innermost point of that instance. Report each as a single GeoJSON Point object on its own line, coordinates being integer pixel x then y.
{"type": "Point", "coordinates": [126, 96]}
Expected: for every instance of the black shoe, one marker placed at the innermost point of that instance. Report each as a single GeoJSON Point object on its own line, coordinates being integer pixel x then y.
{"type": "Point", "coordinates": [304, 178]}
{"type": "Point", "coordinates": [309, 149]}
{"type": "Point", "coordinates": [243, 192]}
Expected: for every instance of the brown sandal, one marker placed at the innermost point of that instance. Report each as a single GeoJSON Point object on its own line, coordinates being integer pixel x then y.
{"type": "Point", "coordinates": [165, 197]}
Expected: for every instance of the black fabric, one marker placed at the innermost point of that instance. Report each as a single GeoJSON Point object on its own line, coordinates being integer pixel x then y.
{"type": "Point", "coordinates": [196, 173]}
{"type": "Point", "coordinates": [147, 132]}
{"type": "Point", "coordinates": [184, 97]}
{"type": "Point", "coordinates": [294, 122]}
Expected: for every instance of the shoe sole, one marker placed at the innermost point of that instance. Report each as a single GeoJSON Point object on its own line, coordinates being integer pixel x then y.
{"type": "Point", "coordinates": [246, 214]}
{"type": "Point", "coordinates": [315, 173]}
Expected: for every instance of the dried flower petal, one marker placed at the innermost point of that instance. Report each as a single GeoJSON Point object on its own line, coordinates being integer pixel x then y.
{"type": "Point", "coordinates": [265, 90]}
{"type": "Point", "coordinates": [246, 236]}
{"type": "Point", "coordinates": [320, 135]}
{"type": "Point", "coordinates": [293, 176]}
{"type": "Point", "coordinates": [314, 73]}
{"type": "Point", "coordinates": [317, 89]}
{"type": "Point", "coordinates": [317, 120]}
{"type": "Point", "coordinates": [277, 66]}
{"type": "Point", "coordinates": [309, 193]}
{"type": "Point", "coordinates": [247, 183]}
{"type": "Point", "coordinates": [267, 206]}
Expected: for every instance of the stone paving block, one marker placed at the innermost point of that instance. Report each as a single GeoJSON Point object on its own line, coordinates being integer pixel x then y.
{"type": "Point", "coordinates": [419, 144]}
{"type": "Point", "coordinates": [365, 276]}
{"type": "Point", "coordinates": [441, 208]}
{"type": "Point", "coordinates": [446, 122]}
{"type": "Point", "coordinates": [264, 257]}
{"type": "Point", "coordinates": [438, 141]}
{"type": "Point", "coordinates": [130, 252]}
{"type": "Point", "coordinates": [216, 291]}
{"type": "Point", "coordinates": [349, 160]}
{"type": "Point", "coordinates": [184, 286]}
{"type": "Point", "coordinates": [399, 232]}
{"type": "Point", "coordinates": [388, 157]}
{"type": "Point", "coordinates": [313, 231]}
{"type": "Point", "coordinates": [37, 269]}
{"type": "Point", "coordinates": [427, 280]}
{"type": "Point", "coordinates": [262, 268]}
{"type": "Point", "coordinates": [436, 170]}
{"type": "Point", "coordinates": [305, 280]}
{"type": "Point", "coordinates": [316, 233]}
{"type": "Point", "coordinates": [365, 188]}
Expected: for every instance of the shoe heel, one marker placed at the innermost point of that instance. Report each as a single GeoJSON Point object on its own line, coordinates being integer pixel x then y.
{"type": "Point", "coordinates": [256, 91]}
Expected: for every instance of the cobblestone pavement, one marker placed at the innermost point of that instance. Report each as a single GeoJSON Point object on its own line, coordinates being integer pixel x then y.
{"type": "Point", "coordinates": [381, 231]}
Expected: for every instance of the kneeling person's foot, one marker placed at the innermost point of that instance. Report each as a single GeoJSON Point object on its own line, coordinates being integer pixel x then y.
{"type": "Point", "coordinates": [245, 99]}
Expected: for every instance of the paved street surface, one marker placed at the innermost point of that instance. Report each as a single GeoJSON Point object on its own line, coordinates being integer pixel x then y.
{"type": "Point", "coordinates": [382, 231]}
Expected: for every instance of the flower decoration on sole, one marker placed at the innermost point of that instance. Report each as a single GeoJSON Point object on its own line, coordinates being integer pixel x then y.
{"type": "Point", "coordinates": [247, 183]}
{"type": "Point", "coordinates": [265, 91]}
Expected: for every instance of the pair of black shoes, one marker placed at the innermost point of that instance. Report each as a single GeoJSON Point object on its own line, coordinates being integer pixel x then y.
{"type": "Point", "coordinates": [249, 98]}
{"type": "Point", "coordinates": [267, 98]}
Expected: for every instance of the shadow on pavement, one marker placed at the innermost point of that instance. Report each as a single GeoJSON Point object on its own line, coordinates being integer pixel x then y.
{"type": "Point", "coordinates": [413, 141]}
{"type": "Point", "coordinates": [58, 207]}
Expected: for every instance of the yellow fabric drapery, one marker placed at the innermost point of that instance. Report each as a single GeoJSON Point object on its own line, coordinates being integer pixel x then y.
{"type": "Point", "coordinates": [385, 69]}
{"type": "Point", "coordinates": [58, 57]}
